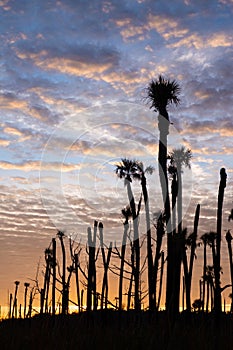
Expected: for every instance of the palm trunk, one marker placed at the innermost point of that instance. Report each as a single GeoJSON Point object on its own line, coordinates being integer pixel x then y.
{"type": "Point", "coordinates": [54, 277]}
{"type": "Point", "coordinates": [104, 293]}
{"type": "Point", "coordinates": [158, 255]}
{"type": "Point", "coordinates": [123, 248]}
{"type": "Point", "coordinates": [64, 294]}
{"type": "Point", "coordinates": [217, 294]}
{"type": "Point", "coordinates": [207, 296]}
{"type": "Point", "coordinates": [76, 264]}
{"type": "Point", "coordinates": [91, 283]}
{"type": "Point", "coordinates": [229, 239]}
{"type": "Point", "coordinates": [177, 241]}
{"type": "Point", "coordinates": [163, 126]}
{"type": "Point", "coordinates": [136, 247]}
{"type": "Point", "coordinates": [204, 275]}
{"type": "Point", "coordinates": [161, 280]}
{"type": "Point", "coordinates": [189, 271]}
{"type": "Point", "coordinates": [152, 300]}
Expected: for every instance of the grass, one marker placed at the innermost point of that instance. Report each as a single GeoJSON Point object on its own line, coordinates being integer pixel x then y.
{"type": "Point", "coordinates": [114, 330]}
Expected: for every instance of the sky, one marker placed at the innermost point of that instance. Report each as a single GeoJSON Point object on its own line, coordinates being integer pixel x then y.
{"type": "Point", "coordinates": [73, 79]}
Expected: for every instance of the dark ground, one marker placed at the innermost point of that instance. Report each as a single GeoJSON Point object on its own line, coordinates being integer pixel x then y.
{"type": "Point", "coordinates": [114, 330]}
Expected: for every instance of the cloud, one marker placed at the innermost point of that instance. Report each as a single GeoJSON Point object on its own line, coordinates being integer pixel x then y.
{"type": "Point", "coordinates": [37, 166]}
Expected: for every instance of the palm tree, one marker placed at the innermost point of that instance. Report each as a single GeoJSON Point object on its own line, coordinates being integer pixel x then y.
{"type": "Point", "coordinates": [178, 158]}
{"type": "Point", "coordinates": [160, 94]}
{"type": "Point", "coordinates": [126, 169]}
{"type": "Point", "coordinates": [140, 173]}
{"type": "Point", "coordinates": [205, 238]}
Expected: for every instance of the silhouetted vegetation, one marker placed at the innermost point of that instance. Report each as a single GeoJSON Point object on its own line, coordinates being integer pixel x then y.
{"type": "Point", "coordinates": [201, 325]}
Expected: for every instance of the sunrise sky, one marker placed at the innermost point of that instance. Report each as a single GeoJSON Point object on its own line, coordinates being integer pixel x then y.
{"type": "Point", "coordinates": [72, 104]}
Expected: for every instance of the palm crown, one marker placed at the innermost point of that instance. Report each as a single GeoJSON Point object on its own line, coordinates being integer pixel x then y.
{"type": "Point", "coordinates": [162, 92]}
{"type": "Point", "coordinates": [180, 156]}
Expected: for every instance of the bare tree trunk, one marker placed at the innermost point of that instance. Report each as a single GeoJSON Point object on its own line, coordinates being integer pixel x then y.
{"type": "Point", "coordinates": [229, 239]}
{"type": "Point", "coordinates": [207, 296]}
{"type": "Point", "coordinates": [54, 263]}
{"type": "Point", "coordinates": [136, 247]}
{"type": "Point", "coordinates": [106, 261]}
{"type": "Point", "coordinates": [161, 280]}
{"type": "Point", "coordinates": [10, 305]}
{"type": "Point", "coordinates": [158, 255]}
{"type": "Point", "coordinates": [217, 264]}
{"type": "Point", "coordinates": [123, 248]}
{"type": "Point", "coordinates": [152, 300]}
{"type": "Point", "coordinates": [204, 275]}
{"type": "Point", "coordinates": [189, 270]}
{"type": "Point", "coordinates": [91, 280]}
{"type": "Point", "coordinates": [64, 287]}
{"type": "Point", "coordinates": [76, 264]}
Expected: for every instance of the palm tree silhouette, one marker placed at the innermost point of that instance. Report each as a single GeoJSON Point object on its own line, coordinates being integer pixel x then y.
{"type": "Point", "coordinates": [178, 158]}
{"type": "Point", "coordinates": [140, 173]}
{"type": "Point", "coordinates": [127, 169]}
{"type": "Point", "coordinates": [207, 239]}
{"type": "Point", "coordinates": [160, 94]}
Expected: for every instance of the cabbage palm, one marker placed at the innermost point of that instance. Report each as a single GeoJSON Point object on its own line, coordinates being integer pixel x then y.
{"type": "Point", "coordinates": [178, 158]}
{"type": "Point", "coordinates": [140, 173]}
{"type": "Point", "coordinates": [127, 169]}
{"type": "Point", "coordinates": [160, 94]}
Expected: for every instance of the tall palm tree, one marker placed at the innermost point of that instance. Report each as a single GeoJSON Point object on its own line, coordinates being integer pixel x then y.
{"type": "Point", "coordinates": [140, 173]}
{"type": "Point", "coordinates": [160, 94]}
{"type": "Point", "coordinates": [126, 169]}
